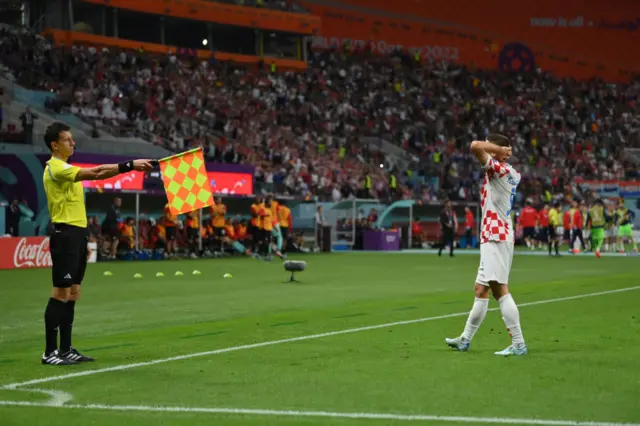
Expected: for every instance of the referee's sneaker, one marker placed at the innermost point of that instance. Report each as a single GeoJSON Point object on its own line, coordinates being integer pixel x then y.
{"type": "Point", "coordinates": [69, 252]}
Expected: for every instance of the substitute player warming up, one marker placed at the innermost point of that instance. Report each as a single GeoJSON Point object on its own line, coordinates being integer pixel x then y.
{"type": "Point", "coordinates": [496, 244]}
{"type": "Point", "coordinates": [68, 244]}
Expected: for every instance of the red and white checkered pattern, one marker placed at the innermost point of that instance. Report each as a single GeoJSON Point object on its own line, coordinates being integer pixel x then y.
{"type": "Point", "coordinates": [494, 229]}
{"type": "Point", "coordinates": [500, 182]}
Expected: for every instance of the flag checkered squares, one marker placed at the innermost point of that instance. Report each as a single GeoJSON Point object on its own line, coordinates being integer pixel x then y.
{"type": "Point", "coordinates": [185, 182]}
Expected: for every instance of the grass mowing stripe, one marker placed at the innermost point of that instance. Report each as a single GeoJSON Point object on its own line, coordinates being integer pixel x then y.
{"type": "Point", "coordinates": [292, 339]}
{"type": "Point", "coordinates": [213, 333]}
{"type": "Point", "coordinates": [325, 414]}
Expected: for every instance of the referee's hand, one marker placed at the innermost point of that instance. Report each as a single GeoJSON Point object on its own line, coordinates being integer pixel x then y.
{"type": "Point", "coordinates": [142, 165]}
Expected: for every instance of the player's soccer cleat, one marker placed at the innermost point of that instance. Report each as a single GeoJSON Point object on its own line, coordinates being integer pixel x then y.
{"type": "Point", "coordinates": [75, 356]}
{"type": "Point", "coordinates": [458, 344]}
{"type": "Point", "coordinates": [513, 350]}
{"type": "Point", "coordinates": [54, 358]}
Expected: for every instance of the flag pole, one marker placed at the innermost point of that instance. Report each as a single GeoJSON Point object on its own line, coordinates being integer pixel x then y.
{"type": "Point", "coordinates": [180, 154]}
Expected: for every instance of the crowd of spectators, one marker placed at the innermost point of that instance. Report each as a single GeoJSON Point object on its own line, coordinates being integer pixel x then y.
{"type": "Point", "coordinates": [304, 130]}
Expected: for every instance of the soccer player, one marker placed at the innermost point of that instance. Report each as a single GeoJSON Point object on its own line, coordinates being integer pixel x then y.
{"type": "Point", "coordinates": [596, 222]}
{"type": "Point", "coordinates": [496, 245]}
{"type": "Point", "coordinates": [218, 212]}
{"type": "Point", "coordinates": [554, 223]}
{"type": "Point", "coordinates": [624, 227]}
{"type": "Point", "coordinates": [577, 223]}
{"type": "Point", "coordinates": [68, 243]}
{"type": "Point", "coordinates": [528, 219]}
{"type": "Point", "coordinates": [170, 223]}
{"type": "Point", "coordinates": [286, 224]}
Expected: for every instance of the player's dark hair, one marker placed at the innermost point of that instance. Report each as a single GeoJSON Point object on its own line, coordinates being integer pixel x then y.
{"type": "Point", "coordinates": [498, 139]}
{"type": "Point", "coordinates": [52, 132]}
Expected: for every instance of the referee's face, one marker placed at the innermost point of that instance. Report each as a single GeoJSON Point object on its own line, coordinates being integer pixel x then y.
{"type": "Point", "coordinates": [64, 145]}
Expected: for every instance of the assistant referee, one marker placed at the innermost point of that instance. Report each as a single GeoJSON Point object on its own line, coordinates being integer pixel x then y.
{"type": "Point", "coordinates": [68, 244]}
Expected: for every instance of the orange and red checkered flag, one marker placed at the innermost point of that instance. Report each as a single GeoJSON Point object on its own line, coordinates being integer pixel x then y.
{"type": "Point", "coordinates": [186, 182]}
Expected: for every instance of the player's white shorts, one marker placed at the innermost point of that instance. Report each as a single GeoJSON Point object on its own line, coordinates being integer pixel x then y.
{"type": "Point", "coordinates": [495, 263]}
{"type": "Point", "coordinates": [611, 232]}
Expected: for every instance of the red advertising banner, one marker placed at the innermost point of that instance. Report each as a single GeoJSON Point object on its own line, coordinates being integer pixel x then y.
{"type": "Point", "coordinates": [25, 252]}
{"type": "Point", "coordinates": [578, 38]}
{"type": "Point", "coordinates": [231, 183]}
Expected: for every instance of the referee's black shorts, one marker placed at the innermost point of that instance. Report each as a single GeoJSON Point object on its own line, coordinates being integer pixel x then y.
{"type": "Point", "coordinates": [69, 252]}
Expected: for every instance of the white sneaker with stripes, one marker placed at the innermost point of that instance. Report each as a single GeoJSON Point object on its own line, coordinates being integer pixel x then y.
{"type": "Point", "coordinates": [54, 358]}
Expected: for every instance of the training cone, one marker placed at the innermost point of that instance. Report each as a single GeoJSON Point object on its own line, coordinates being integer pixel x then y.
{"type": "Point", "coordinates": [227, 275]}
{"type": "Point", "coordinates": [179, 273]}
{"type": "Point", "coordinates": [196, 272]}
{"type": "Point", "coordinates": [107, 273]}
{"type": "Point", "coordinates": [137, 276]}
{"type": "Point", "coordinates": [160, 274]}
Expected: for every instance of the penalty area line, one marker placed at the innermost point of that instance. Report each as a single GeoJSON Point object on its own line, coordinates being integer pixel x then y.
{"type": "Point", "coordinates": [291, 340]}
{"type": "Point", "coordinates": [319, 414]}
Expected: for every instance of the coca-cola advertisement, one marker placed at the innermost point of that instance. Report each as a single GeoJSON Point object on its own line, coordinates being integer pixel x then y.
{"type": "Point", "coordinates": [25, 252]}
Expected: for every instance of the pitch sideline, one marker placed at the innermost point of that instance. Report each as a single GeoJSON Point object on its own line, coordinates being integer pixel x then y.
{"type": "Point", "coordinates": [321, 414]}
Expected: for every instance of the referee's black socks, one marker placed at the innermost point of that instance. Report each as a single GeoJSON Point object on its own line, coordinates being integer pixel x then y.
{"type": "Point", "coordinates": [53, 317]}
{"type": "Point", "coordinates": [66, 324]}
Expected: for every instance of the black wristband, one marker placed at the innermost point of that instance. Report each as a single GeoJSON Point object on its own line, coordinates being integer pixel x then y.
{"type": "Point", "coordinates": [127, 166]}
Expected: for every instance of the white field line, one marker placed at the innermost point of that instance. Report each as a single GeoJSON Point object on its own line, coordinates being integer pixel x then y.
{"type": "Point", "coordinates": [58, 398]}
{"type": "Point", "coordinates": [289, 340]}
{"type": "Point", "coordinates": [325, 414]}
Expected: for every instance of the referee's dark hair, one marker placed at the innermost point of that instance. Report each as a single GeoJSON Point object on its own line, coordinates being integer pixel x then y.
{"type": "Point", "coordinates": [498, 139]}
{"type": "Point", "coordinates": [52, 132]}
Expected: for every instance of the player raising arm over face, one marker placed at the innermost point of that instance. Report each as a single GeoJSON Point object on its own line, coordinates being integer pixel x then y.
{"type": "Point", "coordinates": [496, 244]}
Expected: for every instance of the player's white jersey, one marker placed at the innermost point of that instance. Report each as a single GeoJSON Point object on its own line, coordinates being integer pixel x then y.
{"type": "Point", "coordinates": [498, 192]}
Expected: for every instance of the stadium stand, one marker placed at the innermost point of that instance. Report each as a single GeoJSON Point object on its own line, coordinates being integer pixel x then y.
{"type": "Point", "coordinates": [304, 130]}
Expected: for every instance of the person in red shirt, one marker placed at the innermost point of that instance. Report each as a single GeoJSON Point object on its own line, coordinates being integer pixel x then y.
{"type": "Point", "coordinates": [528, 220]}
{"type": "Point", "coordinates": [566, 225]}
{"type": "Point", "coordinates": [543, 226]}
{"type": "Point", "coordinates": [417, 234]}
{"type": "Point", "coordinates": [577, 224]}
{"type": "Point", "coordinates": [468, 226]}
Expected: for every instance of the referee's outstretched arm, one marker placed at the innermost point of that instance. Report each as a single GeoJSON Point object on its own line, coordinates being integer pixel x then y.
{"type": "Point", "coordinates": [68, 243]}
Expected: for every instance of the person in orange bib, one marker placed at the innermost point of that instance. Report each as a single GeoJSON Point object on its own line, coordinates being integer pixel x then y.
{"type": "Point", "coordinates": [231, 238]}
{"type": "Point", "coordinates": [266, 213]}
{"type": "Point", "coordinates": [256, 224]}
{"type": "Point", "coordinates": [276, 232]}
{"type": "Point", "coordinates": [241, 231]}
{"type": "Point", "coordinates": [193, 231]}
{"type": "Point", "coordinates": [286, 225]}
{"type": "Point", "coordinates": [218, 212]}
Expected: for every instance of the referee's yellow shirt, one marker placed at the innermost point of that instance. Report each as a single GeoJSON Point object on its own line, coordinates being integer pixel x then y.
{"type": "Point", "coordinates": [554, 217]}
{"type": "Point", "coordinates": [65, 196]}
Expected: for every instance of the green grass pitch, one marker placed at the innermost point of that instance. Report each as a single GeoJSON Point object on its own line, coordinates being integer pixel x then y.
{"type": "Point", "coordinates": [583, 362]}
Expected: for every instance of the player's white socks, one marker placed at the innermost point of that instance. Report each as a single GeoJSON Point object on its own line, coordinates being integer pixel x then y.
{"type": "Point", "coordinates": [476, 316]}
{"type": "Point", "coordinates": [511, 317]}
